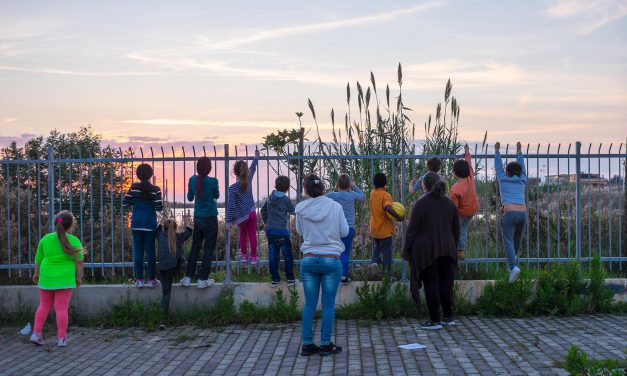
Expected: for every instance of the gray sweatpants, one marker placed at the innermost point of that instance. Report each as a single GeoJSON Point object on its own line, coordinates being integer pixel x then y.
{"type": "Point", "coordinates": [513, 224]}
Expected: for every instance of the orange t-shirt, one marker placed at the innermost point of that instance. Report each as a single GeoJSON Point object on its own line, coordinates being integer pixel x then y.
{"type": "Point", "coordinates": [381, 226]}
{"type": "Point", "coordinates": [464, 195]}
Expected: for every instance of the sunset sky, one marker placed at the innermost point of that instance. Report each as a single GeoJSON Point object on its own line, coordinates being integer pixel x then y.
{"type": "Point", "coordinates": [157, 72]}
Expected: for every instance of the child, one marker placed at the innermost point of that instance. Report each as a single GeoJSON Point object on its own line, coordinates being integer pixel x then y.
{"type": "Point", "coordinates": [241, 209]}
{"type": "Point", "coordinates": [145, 199]}
{"type": "Point", "coordinates": [512, 183]}
{"type": "Point", "coordinates": [204, 191]}
{"type": "Point", "coordinates": [346, 196]}
{"type": "Point", "coordinates": [433, 165]}
{"type": "Point", "coordinates": [275, 214]}
{"type": "Point", "coordinates": [58, 269]}
{"type": "Point", "coordinates": [381, 226]}
{"type": "Point", "coordinates": [465, 199]}
{"type": "Point", "coordinates": [170, 257]}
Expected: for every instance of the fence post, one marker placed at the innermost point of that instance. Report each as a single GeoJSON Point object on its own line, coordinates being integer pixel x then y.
{"type": "Point", "coordinates": [578, 202]}
{"type": "Point", "coordinates": [227, 241]}
{"type": "Point", "coordinates": [301, 153]}
{"type": "Point", "coordinates": [50, 188]}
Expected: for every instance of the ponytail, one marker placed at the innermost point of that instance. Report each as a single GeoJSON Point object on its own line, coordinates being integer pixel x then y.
{"type": "Point", "coordinates": [203, 168]}
{"type": "Point", "coordinates": [144, 173]}
{"type": "Point", "coordinates": [241, 173]}
{"type": "Point", "coordinates": [435, 184]}
{"type": "Point", "coordinates": [64, 221]}
{"type": "Point", "coordinates": [170, 227]}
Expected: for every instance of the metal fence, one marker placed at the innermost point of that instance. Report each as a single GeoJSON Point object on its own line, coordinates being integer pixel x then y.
{"type": "Point", "coordinates": [576, 202]}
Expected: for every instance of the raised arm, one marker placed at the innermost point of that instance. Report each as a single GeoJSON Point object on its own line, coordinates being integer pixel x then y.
{"type": "Point", "coordinates": [359, 194]}
{"type": "Point", "coordinates": [253, 166]}
{"type": "Point", "coordinates": [216, 190]}
{"type": "Point", "coordinates": [520, 158]}
{"type": "Point", "coordinates": [498, 162]}
{"type": "Point", "coordinates": [467, 158]}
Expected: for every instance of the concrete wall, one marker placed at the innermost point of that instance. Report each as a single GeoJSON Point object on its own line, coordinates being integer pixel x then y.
{"type": "Point", "coordinates": [92, 299]}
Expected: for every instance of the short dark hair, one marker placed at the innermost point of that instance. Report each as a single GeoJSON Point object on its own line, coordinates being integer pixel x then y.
{"type": "Point", "coordinates": [434, 164]}
{"type": "Point", "coordinates": [513, 168]}
{"type": "Point", "coordinates": [282, 183]}
{"type": "Point", "coordinates": [344, 181]}
{"type": "Point", "coordinates": [434, 184]}
{"type": "Point", "coordinates": [313, 185]}
{"type": "Point", "coordinates": [380, 180]}
{"type": "Point", "coordinates": [461, 168]}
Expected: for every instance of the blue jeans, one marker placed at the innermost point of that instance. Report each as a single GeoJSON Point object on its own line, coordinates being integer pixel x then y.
{"type": "Point", "coordinates": [464, 223]}
{"type": "Point", "coordinates": [326, 272]}
{"type": "Point", "coordinates": [513, 224]}
{"type": "Point", "coordinates": [348, 247]}
{"type": "Point", "coordinates": [144, 241]}
{"type": "Point", "coordinates": [278, 244]}
{"type": "Point", "coordinates": [383, 249]}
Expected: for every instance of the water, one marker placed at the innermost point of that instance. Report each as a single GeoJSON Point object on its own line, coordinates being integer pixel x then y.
{"type": "Point", "coordinates": [179, 212]}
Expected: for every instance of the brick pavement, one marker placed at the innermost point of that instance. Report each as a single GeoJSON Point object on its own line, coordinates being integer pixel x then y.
{"type": "Point", "coordinates": [477, 346]}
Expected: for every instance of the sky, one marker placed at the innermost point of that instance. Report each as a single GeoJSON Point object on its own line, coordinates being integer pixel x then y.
{"type": "Point", "coordinates": [210, 73]}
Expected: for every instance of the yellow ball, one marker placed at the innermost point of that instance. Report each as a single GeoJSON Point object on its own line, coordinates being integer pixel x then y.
{"type": "Point", "coordinates": [398, 209]}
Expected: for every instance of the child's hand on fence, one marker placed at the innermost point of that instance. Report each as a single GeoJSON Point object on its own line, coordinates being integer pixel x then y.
{"type": "Point", "coordinates": [466, 148]}
{"type": "Point", "coordinates": [257, 153]}
{"type": "Point", "coordinates": [518, 147]}
{"type": "Point", "coordinates": [497, 147]}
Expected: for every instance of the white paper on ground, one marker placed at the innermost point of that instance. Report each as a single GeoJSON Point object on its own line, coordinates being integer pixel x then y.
{"type": "Point", "coordinates": [412, 346]}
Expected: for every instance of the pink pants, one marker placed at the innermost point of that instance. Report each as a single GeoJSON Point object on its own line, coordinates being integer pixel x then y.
{"type": "Point", "coordinates": [248, 233]}
{"type": "Point", "coordinates": [61, 300]}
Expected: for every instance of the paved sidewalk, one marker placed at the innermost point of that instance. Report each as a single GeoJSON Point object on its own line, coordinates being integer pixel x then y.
{"type": "Point", "coordinates": [476, 346]}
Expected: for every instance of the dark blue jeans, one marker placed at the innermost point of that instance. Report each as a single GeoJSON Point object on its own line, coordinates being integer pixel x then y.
{"type": "Point", "coordinates": [144, 242]}
{"type": "Point", "coordinates": [278, 244]}
{"type": "Point", "coordinates": [348, 247]}
{"type": "Point", "coordinates": [205, 236]}
{"type": "Point", "coordinates": [383, 250]}
{"type": "Point", "coordinates": [319, 272]}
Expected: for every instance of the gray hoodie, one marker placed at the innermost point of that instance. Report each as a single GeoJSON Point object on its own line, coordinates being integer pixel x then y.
{"type": "Point", "coordinates": [276, 210]}
{"type": "Point", "coordinates": [322, 224]}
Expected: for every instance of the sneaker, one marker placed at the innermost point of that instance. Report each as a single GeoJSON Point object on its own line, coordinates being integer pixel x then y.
{"type": "Point", "coordinates": [244, 258]}
{"type": "Point", "coordinates": [274, 283]}
{"type": "Point", "coordinates": [513, 274]}
{"type": "Point", "coordinates": [374, 267]}
{"type": "Point", "coordinates": [153, 283]}
{"type": "Point", "coordinates": [254, 260]}
{"type": "Point", "coordinates": [448, 322]}
{"type": "Point", "coordinates": [139, 283]}
{"type": "Point", "coordinates": [346, 280]}
{"type": "Point", "coordinates": [461, 254]}
{"type": "Point", "coordinates": [37, 339]}
{"type": "Point", "coordinates": [308, 350]}
{"type": "Point", "coordinates": [292, 282]}
{"type": "Point", "coordinates": [428, 325]}
{"type": "Point", "coordinates": [204, 283]}
{"type": "Point", "coordinates": [186, 281]}
{"type": "Point", "coordinates": [162, 327]}
{"type": "Point", "coordinates": [330, 349]}
{"type": "Point", "coordinates": [61, 342]}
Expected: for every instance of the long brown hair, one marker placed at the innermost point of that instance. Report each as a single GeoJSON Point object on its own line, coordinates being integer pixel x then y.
{"type": "Point", "coordinates": [203, 168]}
{"type": "Point", "coordinates": [170, 229]}
{"type": "Point", "coordinates": [241, 173]}
{"type": "Point", "coordinates": [144, 173]}
{"type": "Point", "coordinates": [64, 220]}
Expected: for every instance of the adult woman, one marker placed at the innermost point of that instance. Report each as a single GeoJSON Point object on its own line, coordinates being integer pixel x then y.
{"type": "Point", "coordinates": [430, 249]}
{"type": "Point", "coordinates": [322, 224]}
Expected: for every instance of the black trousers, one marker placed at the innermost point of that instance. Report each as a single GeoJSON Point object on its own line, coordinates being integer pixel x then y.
{"type": "Point", "coordinates": [437, 280]}
{"type": "Point", "coordinates": [205, 236]}
{"type": "Point", "coordinates": [167, 276]}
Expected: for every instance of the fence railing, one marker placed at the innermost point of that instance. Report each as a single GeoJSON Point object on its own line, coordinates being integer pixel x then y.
{"type": "Point", "coordinates": [575, 197]}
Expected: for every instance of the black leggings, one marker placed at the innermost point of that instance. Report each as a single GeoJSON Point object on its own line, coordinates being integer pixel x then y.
{"type": "Point", "coordinates": [438, 279]}
{"type": "Point", "coordinates": [166, 289]}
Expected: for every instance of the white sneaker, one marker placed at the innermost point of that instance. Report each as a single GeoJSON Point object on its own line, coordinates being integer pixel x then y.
{"type": "Point", "coordinates": [153, 283]}
{"type": "Point", "coordinates": [205, 283]}
{"type": "Point", "coordinates": [186, 281]}
{"type": "Point", "coordinates": [139, 283]}
{"type": "Point", "coordinates": [37, 339]}
{"type": "Point", "coordinates": [513, 274]}
{"type": "Point", "coordinates": [374, 267]}
{"type": "Point", "coordinates": [292, 282]}
{"type": "Point", "coordinates": [61, 342]}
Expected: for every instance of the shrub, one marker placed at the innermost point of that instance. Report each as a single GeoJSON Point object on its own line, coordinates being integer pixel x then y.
{"type": "Point", "coordinates": [578, 364]}
{"type": "Point", "coordinates": [380, 301]}
{"type": "Point", "coordinates": [558, 290]}
{"type": "Point", "coordinates": [505, 299]}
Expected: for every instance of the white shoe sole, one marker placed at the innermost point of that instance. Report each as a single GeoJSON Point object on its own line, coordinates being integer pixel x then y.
{"type": "Point", "coordinates": [437, 327]}
{"type": "Point", "coordinates": [514, 277]}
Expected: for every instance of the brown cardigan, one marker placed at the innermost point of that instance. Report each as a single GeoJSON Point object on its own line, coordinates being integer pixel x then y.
{"type": "Point", "coordinates": [433, 232]}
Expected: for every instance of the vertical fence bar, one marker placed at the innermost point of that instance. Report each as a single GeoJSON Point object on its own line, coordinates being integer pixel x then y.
{"type": "Point", "coordinates": [18, 176]}
{"type": "Point", "coordinates": [538, 208]}
{"type": "Point", "coordinates": [39, 212]}
{"type": "Point", "coordinates": [101, 215]}
{"type": "Point", "coordinates": [599, 182]}
{"type": "Point", "coordinates": [559, 203]}
{"type": "Point", "coordinates": [609, 194]}
{"type": "Point", "coordinates": [8, 204]}
{"type": "Point", "coordinates": [578, 201]}
{"type": "Point", "coordinates": [227, 242]}
{"type": "Point", "coordinates": [80, 195]}
{"type": "Point", "coordinates": [623, 188]}
{"type": "Point", "coordinates": [173, 182]}
{"type": "Point", "coordinates": [486, 216]}
{"type": "Point", "coordinates": [60, 181]}
{"type": "Point", "coordinates": [569, 207]}
{"type": "Point", "coordinates": [589, 209]}
{"type": "Point", "coordinates": [91, 213]}
{"type": "Point", "coordinates": [528, 245]}
{"type": "Point", "coordinates": [28, 192]}
{"type": "Point", "coordinates": [50, 189]}
{"type": "Point", "coordinates": [122, 222]}
{"type": "Point", "coordinates": [111, 194]}
{"type": "Point", "coordinates": [548, 206]}
{"type": "Point", "coordinates": [404, 224]}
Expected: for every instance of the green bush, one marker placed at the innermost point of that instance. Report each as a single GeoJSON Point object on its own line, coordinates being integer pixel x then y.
{"type": "Point", "coordinates": [505, 299]}
{"type": "Point", "coordinates": [559, 290]}
{"type": "Point", "coordinates": [578, 364]}
{"type": "Point", "coordinates": [380, 301]}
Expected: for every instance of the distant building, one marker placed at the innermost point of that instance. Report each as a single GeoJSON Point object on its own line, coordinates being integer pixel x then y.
{"type": "Point", "coordinates": [591, 180]}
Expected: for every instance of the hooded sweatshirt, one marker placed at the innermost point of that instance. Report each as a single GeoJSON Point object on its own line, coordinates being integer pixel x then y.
{"type": "Point", "coordinates": [275, 213]}
{"type": "Point", "coordinates": [322, 224]}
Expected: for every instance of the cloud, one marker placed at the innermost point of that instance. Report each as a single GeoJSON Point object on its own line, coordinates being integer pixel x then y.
{"type": "Point", "coordinates": [434, 74]}
{"type": "Point", "coordinates": [8, 120]}
{"type": "Point", "coordinates": [45, 70]}
{"type": "Point", "coordinates": [212, 123]}
{"type": "Point", "coordinates": [323, 26]}
{"type": "Point", "coordinates": [595, 14]}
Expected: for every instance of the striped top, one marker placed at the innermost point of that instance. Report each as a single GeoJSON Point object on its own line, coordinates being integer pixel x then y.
{"type": "Point", "coordinates": [144, 211]}
{"type": "Point", "coordinates": [241, 204]}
